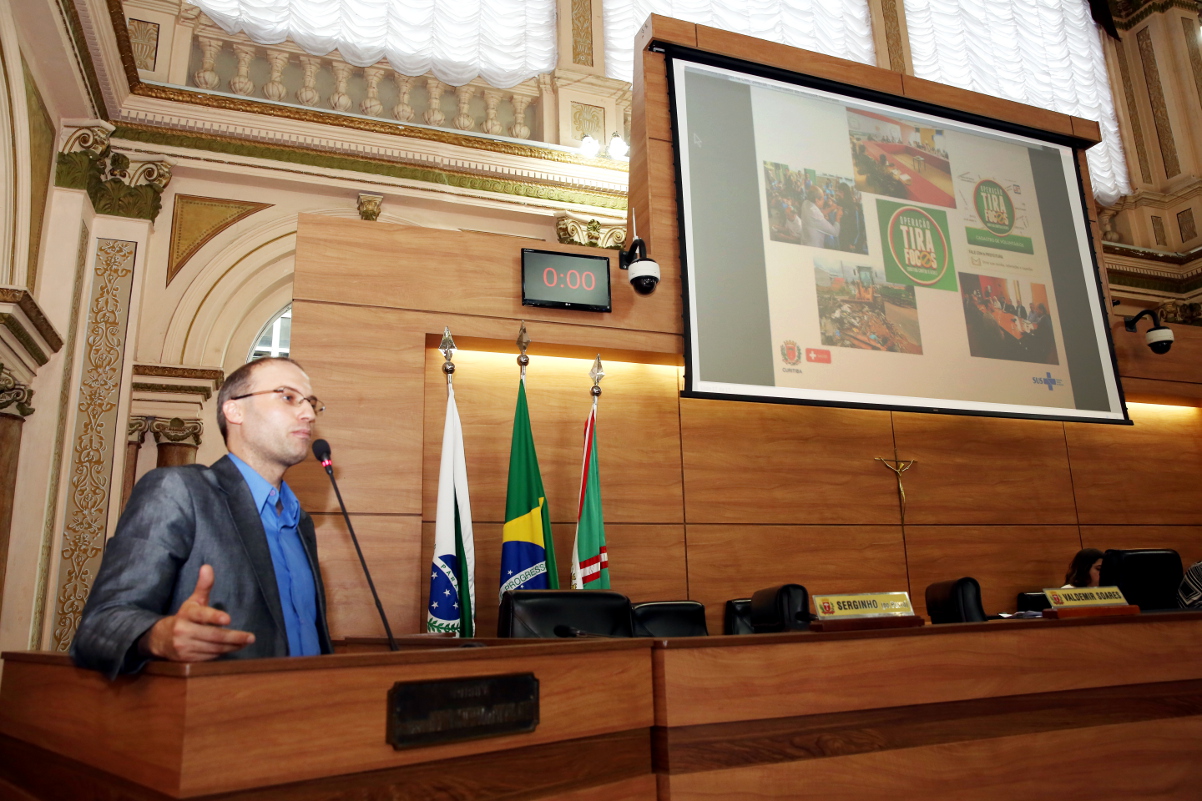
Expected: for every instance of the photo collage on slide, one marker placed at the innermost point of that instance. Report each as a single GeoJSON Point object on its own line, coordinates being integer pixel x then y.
{"type": "Point", "coordinates": [903, 238]}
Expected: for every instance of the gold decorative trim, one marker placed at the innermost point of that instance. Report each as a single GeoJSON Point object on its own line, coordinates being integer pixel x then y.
{"type": "Point", "coordinates": [170, 371]}
{"type": "Point", "coordinates": [184, 245]}
{"type": "Point", "coordinates": [176, 389]}
{"type": "Point", "coordinates": [582, 32]}
{"type": "Point", "coordinates": [117, 15]}
{"type": "Point", "coordinates": [37, 317]}
{"type": "Point", "coordinates": [60, 437]}
{"type": "Point", "coordinates": [95, 436]}
{"type": "Point", "coordinates": [135, 430]}
{"type": "Point", "coordinates": [893, 36]}
{"type": "Point", "coordinates": [1137, 131]}
{"type": "Point", "coordinates": [1190, 27]}
{"type": "Point", "coordinates": [319, 117]}
{"type": "Point", "coordinates": [365, 164]}
{"type": "Point", "coordinates": [1160, 110]}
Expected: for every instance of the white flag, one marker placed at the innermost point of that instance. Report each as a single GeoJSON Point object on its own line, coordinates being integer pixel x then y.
{"type": "Point", "coordinates": [453, 572]}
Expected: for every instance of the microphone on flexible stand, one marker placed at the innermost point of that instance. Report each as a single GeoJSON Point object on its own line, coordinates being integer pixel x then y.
{"type": "Point", "coordinates": [321, 449]}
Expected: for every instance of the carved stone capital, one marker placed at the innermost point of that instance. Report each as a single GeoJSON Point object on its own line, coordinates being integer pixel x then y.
{"type": "Point", "coordinates": [15, 397]}
{"type": "Point", "coordinates": [176, 430]}
{"type": "Point", "coordinates": [137, 428]}
{"type": "Point", "coordinates": [370, 206]}
{"type": "Point", "coordinates": [573, 229]}
{"type": "Point", "coordinates": [116, 184]}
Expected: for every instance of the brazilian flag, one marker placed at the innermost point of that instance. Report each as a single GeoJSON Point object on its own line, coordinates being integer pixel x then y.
{"type": "Point", "coordinates": [527, 550]}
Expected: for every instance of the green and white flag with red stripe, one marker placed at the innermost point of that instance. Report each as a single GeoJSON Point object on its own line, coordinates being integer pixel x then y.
{"type": "Point", "coordinates": [590, 561]}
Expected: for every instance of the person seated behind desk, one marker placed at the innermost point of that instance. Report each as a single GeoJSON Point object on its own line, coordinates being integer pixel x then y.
{"type": "Point", "coordinates": [221, 561]}
{"type": "Point", "coordinates": [1189, 592]}
{"type": "Point", "coordinates": [1085, 570]}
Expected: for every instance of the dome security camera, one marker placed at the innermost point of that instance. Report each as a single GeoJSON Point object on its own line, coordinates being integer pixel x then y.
{"type": "Point", "coordinates": [1159, 337]}
{"type": "Point", "coordinates": [644, 273]}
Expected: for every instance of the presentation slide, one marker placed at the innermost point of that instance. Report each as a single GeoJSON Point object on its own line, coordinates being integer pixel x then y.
{"type": "Point", "coordinates": [841, 251]}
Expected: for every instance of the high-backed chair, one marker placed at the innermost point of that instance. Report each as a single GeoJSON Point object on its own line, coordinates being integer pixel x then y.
{"type": "Point", "coordinates": [669, 619]}
{"type": "Point", "coordinates": [782, 608]}
{"type": "Point", "coordinates": [955, 601]}
{"type": "Point", "coordinates": [736, 618]}
{"type": "Point", "coordinates": [1148, 577]}
{"type": "Point", "coordinates": [564, 613]}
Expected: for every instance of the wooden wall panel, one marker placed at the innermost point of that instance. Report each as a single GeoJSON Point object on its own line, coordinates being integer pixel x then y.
{"type": "Point", "coordinates": [366, 365]}
{"type": "Point", "coordinates": [638, 433]}
{"type": "Point", "coordinates": [780, 463]}
{"type": "Point", "coordinates": [981, 470]}
{"type": "Point", "coordinates": [1006, 560]}
{"type": "Point", "coordinates": [732, 561]}
{"type": "Point", "coordinates": [647, 563]}
{"type": "Point", "coordinates": [1148, 759]}
{"type": "Point", "coordinates": [1145, 474]}
{"type": "Point", "coordinates": [392, 547]}
{"type": "Point", "coordinates": [660, 231]}
{"type": "Point", "coordinates": [1138, 361]}
{"type": "Point", "coordinates": [1185, 540]}
{"type": "Point", "coordinates": [357, 262]}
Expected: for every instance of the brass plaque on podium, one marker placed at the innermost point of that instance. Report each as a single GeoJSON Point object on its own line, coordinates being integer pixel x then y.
{"type": "Point", "coordinates": [423, 713]}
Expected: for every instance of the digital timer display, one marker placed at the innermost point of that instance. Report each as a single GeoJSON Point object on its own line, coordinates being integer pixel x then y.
{"type": "Point", "coordinates": [565, 280]}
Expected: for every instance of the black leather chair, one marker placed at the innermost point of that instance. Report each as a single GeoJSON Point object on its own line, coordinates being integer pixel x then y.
{"type": "Point", "coordinates": [1148, 577]}
{"type": "Point", "coordinates": [1032, 602]}
{"type": "Point", "coordinates": [669, 619]}
{"type": "Point", "coordinates": [955, 601]}
{"type": "Point", "coordinates": [736, 619]}
{"type": "Point", "coordinates": [550, 614]}
{"type": "Point", "coordinates": [782, 608]}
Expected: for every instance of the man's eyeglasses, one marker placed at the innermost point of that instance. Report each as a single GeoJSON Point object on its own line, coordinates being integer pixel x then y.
{"type": "Point", "coordinates": [289, 396]}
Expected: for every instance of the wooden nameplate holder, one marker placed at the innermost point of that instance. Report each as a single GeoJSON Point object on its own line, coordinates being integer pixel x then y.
{"type": "Point", "coordinates": [1090, 611]}
{"type": "Point", "coordinates": [868, 623]}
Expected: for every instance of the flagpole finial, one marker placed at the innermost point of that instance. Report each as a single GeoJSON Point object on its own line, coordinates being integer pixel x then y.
{"type": "Point", "coordinates": [447, 346]}
{"type": "Point", "coordinates": [523, 342]}
{"type": "Point", "coordinates": [597, 373]}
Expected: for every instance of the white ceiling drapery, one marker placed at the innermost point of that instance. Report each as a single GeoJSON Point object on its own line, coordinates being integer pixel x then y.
{"type": "Point", "coordinates": [840, 28]}
{"type": "Point", "coordinates": [1045, 53]}
{"type": "Point", "coordinates": [502, 41]}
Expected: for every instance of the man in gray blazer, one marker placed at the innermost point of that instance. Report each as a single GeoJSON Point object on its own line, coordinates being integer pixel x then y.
{"type": "Point", "coordinates": [220, 561]}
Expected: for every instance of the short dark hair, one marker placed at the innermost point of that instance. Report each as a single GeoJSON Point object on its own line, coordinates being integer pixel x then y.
{"type": "Point", "coordinates": [1078, 569]}
{"type": "Point", "coordinates": [238, 383]}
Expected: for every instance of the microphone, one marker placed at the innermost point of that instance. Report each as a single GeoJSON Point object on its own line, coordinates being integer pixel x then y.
{"type": "Point", "coordinates": [321, 449]}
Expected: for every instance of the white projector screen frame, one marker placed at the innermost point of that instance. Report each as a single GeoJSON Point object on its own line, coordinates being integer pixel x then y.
{"type": "Point", "coordinates": [842, 323]}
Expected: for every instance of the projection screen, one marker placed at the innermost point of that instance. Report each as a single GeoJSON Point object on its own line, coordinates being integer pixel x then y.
{"type": "Point", "coordinates": [852, 249]}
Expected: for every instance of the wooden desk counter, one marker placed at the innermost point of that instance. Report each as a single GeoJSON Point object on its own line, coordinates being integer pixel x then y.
{"type": "Point", "coordinates": [318, 724]}
{"type": "Point", "coordinates": [1102, 708]}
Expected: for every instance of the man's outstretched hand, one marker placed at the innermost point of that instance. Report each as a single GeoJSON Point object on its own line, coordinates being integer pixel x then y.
{"type": "Point", "coordinates": [195, 633]}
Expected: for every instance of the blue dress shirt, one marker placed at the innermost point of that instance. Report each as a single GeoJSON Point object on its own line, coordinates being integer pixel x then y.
{"type": "Point", "coordinates": [293, 576]}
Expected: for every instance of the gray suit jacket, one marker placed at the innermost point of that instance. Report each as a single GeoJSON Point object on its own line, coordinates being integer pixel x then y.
{"type": "Point", "coordinates": [177, 519]}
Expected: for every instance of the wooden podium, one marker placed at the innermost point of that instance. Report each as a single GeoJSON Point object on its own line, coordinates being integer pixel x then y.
{"type": "Point", "coordinates": [314, 728]}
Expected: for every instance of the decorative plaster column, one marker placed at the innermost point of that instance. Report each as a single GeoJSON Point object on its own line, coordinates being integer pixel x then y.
{"type": "Point", "coordinates": [15, 398]}
{"type": "Point", "coordinates": [172, 437]}
{"type": "Point", "coordinates": [135, 436]}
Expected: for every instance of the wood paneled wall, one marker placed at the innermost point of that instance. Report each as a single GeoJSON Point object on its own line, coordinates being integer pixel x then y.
{"type": "Point", "coordinates": [703, 499]}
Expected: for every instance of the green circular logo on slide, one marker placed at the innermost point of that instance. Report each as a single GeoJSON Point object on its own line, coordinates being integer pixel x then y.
{"type": "Point", "coordinates": [918, 245]}
{"type": "Point", "coordinates": [994, 208]}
